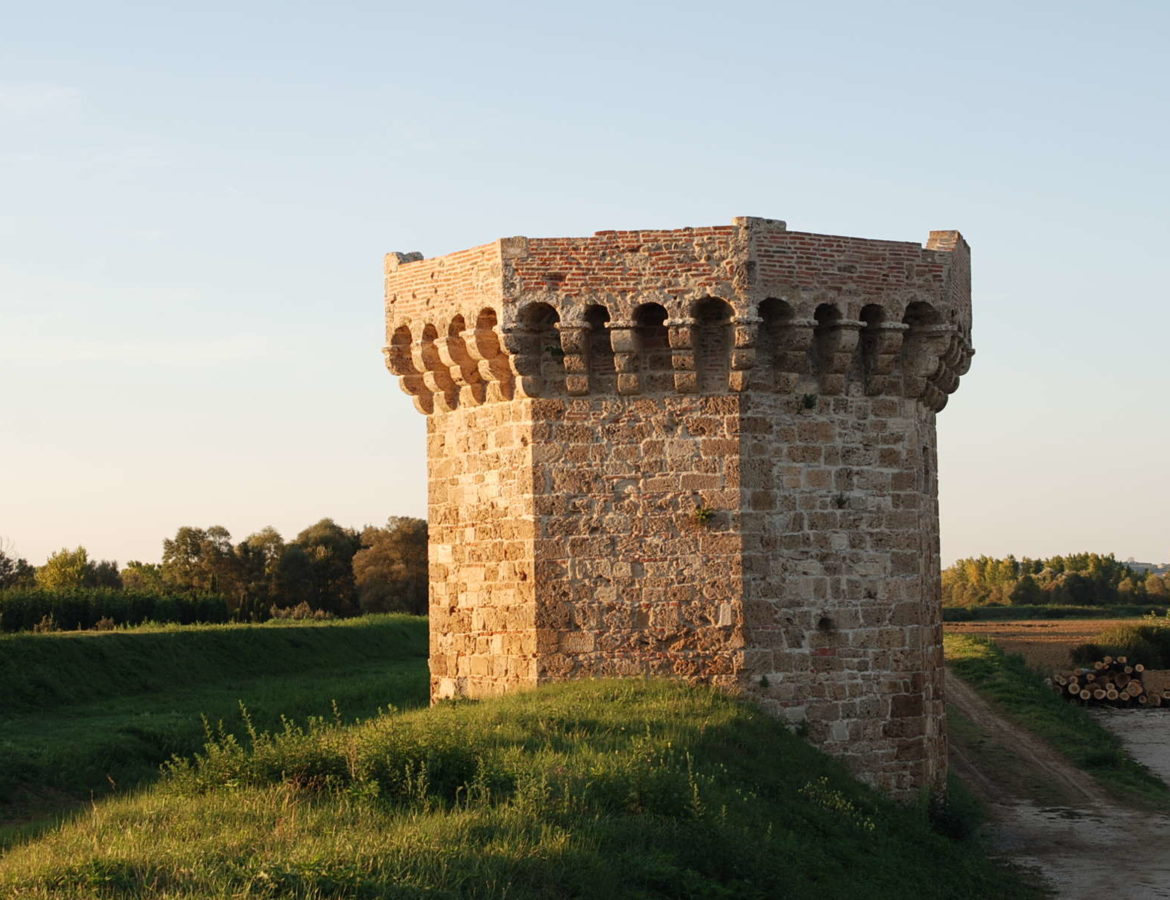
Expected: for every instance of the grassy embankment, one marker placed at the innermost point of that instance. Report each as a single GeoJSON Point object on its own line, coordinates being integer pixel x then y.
{"type": "Point", "coordinates": [594, 789]}
{"type": "Point", "coordinates": [84, 713]}
{"type": "Point", "coordinates": [1021, 694]}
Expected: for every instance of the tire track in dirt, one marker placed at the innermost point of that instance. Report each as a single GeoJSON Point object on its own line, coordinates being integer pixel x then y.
{"type": "Point", "coordinates": [1085, 843]}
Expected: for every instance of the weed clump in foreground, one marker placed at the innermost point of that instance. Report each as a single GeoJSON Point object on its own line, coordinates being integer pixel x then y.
{"type": "Point", "coordinates": [619, 789]}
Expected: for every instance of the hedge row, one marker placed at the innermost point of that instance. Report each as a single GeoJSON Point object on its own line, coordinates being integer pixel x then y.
{"type": "Point", "coordinates": [1008, 613]}
{"type": "Point", "coordinates": [24, 609]}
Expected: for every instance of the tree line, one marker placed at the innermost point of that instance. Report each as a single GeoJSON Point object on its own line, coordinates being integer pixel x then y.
{"type": "Point", "coordinates": [326, 569]}
{"type": "Point", "coordinates": [1078, 579]}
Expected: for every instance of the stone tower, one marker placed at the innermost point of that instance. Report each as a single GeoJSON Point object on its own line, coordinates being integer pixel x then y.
{"type": "Point", "coordinates": [706, 453]}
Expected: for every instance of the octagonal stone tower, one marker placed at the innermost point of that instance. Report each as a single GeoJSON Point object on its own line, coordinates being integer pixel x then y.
{"type": "Point", "coordinates": [706, 453]}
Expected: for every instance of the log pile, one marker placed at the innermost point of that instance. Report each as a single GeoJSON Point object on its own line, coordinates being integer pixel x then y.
{"type": "Point", "coordinates": [1111, 681]}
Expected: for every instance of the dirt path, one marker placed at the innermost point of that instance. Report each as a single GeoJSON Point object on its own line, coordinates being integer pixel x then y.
{"type": "Point", "coordinates": [1050, 815]}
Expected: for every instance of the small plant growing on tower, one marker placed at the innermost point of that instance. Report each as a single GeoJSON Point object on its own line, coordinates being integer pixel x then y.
{"type": "Point", "coordinates": [808, 401]}
{"type": "Point", "coordinates": [703, 515]}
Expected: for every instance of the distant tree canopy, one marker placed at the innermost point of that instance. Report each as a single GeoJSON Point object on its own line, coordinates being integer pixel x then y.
{"type": "Point", "coordinates": [326, 570]}
{"type": "Point", "coordinates": [14, 571]}
{"type": "Point", "coordinates": [318, 570]}
{"type": "Point", "coordinates": [1079, 579]}
{"type": "Point", "coordinates": [391, 568]}
{"type": "Point", "coordinates": [72, 569]}
{"type": "Point", "coordinates": [143, 577]}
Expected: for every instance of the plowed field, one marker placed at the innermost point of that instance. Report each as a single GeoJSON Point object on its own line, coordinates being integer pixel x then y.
{"type": "Point", "coordinates": [1044, 644]}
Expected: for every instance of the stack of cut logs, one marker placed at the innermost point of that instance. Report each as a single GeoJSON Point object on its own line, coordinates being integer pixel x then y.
{"type": "Point", "coordinates": [1110, 681]}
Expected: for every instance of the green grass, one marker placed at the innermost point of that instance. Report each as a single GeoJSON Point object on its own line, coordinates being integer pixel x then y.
{"type": "Point", "coordinates": [1020, 693]}
{"type": "Point", "coordinates": [589, 789]}
{"type": "Point", "coordinates": [1146, 642]}
{"type": "Point", "coordinates": [40, 671]}
{"type": "Point", "coordinates": [88, 713]}
{"type": "Point", "coordinates": [1023, 613]}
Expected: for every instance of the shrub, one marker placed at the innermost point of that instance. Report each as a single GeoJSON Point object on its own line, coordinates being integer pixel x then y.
{"type": "Point", "coordinates": [301, 611]}
{"type": "Point", "coordinates": [1145, 644]}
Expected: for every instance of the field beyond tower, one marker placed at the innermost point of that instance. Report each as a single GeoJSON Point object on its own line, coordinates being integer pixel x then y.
{"type": "Point", "coordinates": [706, 453]}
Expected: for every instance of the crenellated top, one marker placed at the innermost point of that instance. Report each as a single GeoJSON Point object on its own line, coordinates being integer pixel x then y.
{"type": "Point", "coordinates": [750, 306]}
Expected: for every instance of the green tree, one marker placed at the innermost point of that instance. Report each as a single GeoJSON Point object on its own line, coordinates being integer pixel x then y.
{"type": "Point", "coordinates": [321, 573]}
{"type": "Point", "coordinates": [295, 580]}
{"type": "Point", "coordinates": [66, 570]}
{"type": "Point", "coordinates": [1027, 592]}
{"type": "Point", "coordinates": [143, 577]}
{"type": "Point", "coordinates": [105, 575]}
{"type": "Point", "coordinates": [257, 563]}
{"type": "Point", "coordinates": [14, 571]}
{"type": "Point", "coordinates": [203, 560]}
{"type": "Point", "coordinates": [391, 569]}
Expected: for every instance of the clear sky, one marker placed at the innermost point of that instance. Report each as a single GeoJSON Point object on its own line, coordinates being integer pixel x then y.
{"type": "Point", "coordinates": [195, 200]}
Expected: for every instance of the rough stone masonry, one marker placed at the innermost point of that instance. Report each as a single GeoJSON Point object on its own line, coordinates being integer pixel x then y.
{"type": "Point", "coordinates": [706, 453]}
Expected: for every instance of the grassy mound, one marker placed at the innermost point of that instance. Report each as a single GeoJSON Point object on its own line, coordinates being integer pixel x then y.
{"type": "Point", "coordinates": [1022, 695]}
{"type": "Point", "coordinates": [39, 671]}
{"type": "Point", "coordinates": [86, 713]}
{"type": "Point", "coordinates": [595, 789]}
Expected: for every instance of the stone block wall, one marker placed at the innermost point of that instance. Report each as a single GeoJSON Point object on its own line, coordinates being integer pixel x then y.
{"type": "Point", "coordinates": [706, 453]}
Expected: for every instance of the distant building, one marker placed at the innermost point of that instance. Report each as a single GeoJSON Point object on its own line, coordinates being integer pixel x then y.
{"type": "Point", "coordinates": [1148, 568]}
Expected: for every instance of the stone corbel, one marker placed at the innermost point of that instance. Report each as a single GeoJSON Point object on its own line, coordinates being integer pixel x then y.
{"type": "Point", "coordinates": [923, 360]}
{"type": "Point", "coordinates": [681, 335]}
{"type": "Point", "coordinates": [399, 362]}
{"type": "Point", "coordinates": [524, 356]}
{"type": "Point", "coordinates": [484, 348]}
{"type": "Point", "coordinates": [435, 375]}
{"type": "Point", "coordinates": [792, 356]}
{"type": "Point", "coordinates": [464, 372]}
{"type": "Point", "coordinates": [845, 334]}
{"type": "Point", "coordinates": [575, 345]}
{"type": "Point", "coordinates": [881, 345]}
{"type": "Point", "coordinates": [624, 340]}
{"type": "Point", "coordinates": [743, 350]}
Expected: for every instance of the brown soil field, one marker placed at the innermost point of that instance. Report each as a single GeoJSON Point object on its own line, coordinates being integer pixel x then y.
{"type": "Point", "coordinates": [1045, 644]}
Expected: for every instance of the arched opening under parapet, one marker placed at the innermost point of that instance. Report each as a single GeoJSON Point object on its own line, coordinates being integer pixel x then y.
{"type": "Point", "coordinates": [654, 362]}
{"type": "Point", "coordinates": [400, 341]}
{"type": "Point", "coordinates": [775, 324]}
{"type": "Point", "coordinates": [826, 336]}
{"type": "Point", "coordinates": [712, 344]}
{"type": "Point", "coordinates": [486, 320]}
{"type": "Point", "coordinates": [872, 317]}
{"type": "Point", "coordinates": [543, 341]}
{"type": "Point", "coordinates": [919, 314]}
{"type": "Point", "coordinates": [600, 364]}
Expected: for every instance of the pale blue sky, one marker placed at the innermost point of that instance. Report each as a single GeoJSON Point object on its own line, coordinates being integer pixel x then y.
{"type": "Point", "coordinates": [195, 200]}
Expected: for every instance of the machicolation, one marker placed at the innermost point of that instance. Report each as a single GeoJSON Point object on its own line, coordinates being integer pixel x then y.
{"type": "Point", "coordinates": [705, 453]}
